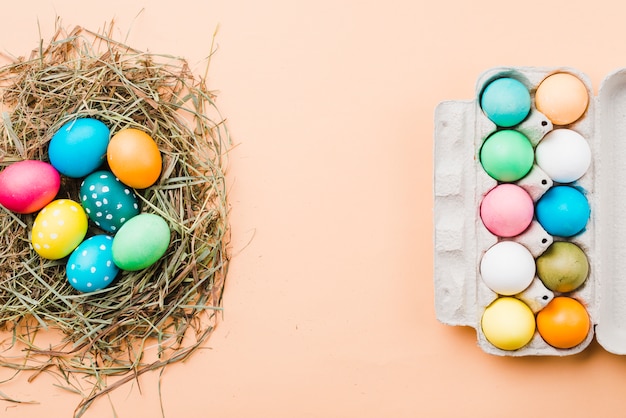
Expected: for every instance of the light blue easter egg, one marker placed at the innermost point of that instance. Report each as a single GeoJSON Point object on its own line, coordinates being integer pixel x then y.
{"type": "Point", "coordinates": [506, 101]}
{"type": "Point", "coordinates": [90, 267]}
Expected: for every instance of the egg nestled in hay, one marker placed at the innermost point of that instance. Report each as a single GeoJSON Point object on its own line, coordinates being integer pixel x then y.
{"type": "Point", "coordinates": [79, 146]}
{"type": "Point", "coordinates": [58, 229]}
{"type": "Point", "coordinates": [141, 242]}
{"type": "Point", "coordinates": [29, 185]}
{"type": "Point", "coordinates": [90, 267]}
{"type": "Point", "coordinates": [134, 158]}
{"type": "Point", "coordinates": [108, 202]}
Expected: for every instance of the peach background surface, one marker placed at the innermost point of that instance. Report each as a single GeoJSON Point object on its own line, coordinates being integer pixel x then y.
{"type": "Point", "coordinates": [329, 308]}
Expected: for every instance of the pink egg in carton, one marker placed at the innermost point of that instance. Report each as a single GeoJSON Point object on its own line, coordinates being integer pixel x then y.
{"type": "Point", "coordinates": [581, 158]}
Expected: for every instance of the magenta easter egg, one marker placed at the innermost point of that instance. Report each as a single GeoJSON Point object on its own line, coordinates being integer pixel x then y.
{"type": "Point", "coordinates": [29, 185]}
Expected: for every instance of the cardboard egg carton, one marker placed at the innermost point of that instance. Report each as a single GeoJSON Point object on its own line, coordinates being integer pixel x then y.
{"type": "Point", "coordinates": [460, 238]}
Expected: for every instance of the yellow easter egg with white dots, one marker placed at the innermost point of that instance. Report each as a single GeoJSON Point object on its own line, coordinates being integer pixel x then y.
{"type": "Point", "coordinates": [58, 229]}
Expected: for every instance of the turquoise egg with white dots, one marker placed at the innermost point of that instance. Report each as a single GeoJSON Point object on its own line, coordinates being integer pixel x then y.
{"type": "Point", "coordinates": [107, 201]}
{"type": "Point", "coordinates": [90, 267]}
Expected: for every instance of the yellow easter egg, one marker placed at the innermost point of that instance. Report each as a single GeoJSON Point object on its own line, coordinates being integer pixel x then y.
{"type": "Point", "coordinates": [58, 229]}
{"type": "Point", "coordinates": [508, 323]}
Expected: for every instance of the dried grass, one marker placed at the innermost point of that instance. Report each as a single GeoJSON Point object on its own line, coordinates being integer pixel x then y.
{"type": "Point", "coordinates": [173, 304]}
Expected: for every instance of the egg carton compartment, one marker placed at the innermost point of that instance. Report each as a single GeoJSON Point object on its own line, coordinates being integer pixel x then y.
{"type": "Point", "coordinates": [460, 185]}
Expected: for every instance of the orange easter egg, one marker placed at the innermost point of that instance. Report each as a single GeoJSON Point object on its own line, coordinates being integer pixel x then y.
{"type": "Point", "coordinates": [134, 158]}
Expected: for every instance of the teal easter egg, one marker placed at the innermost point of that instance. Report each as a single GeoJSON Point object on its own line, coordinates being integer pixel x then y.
{"type": "Point", "coordinates": [108, 202]}
{"type": "Point", "coordinates": [506, 101]}
{"type": "Point", "coordinates": [140, 242]}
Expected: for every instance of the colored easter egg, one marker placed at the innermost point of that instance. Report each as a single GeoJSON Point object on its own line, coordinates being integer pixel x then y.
{"type": "Point", "coordinates": [140, 242]}
{"type": "Point", "coordinates": [563, 267]}
{"type": "Point", "coordinates": [108, 202]}
{"type": "Point", "coordinates": [563, 211]}
{"type": "Point", "coordinates": [564, 155]}
{"type": "Point", "coordinates": [508, 323]}
{"type": "Point", "coordinates": [29, 185]}
{"type": "Point", "coordinates": [507, 210]}
{"type": "Point", "coordinates": [90, 267]}
{"type": "Point", "coordinates": [58, 229]}
{"type": "Point", "coordinates": [505, 101]}
{"type": "Point", "coordinates": [507, 268]}
{"type": "Point", "coordinates": [79, 146]}
{"type": "Point", "coordinates": [562, 97]}
{"type": "Point", "coordinates": [507, 155]}
{"type": "Point", "coordinates": [134, 158]}
{"type": "Point", "coordinates": [564, 322]}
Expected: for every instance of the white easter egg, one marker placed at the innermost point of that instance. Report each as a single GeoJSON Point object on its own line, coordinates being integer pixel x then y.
{"type": "Point", "coordinates": [507, 268]}
{"type": "Point", "coordinates": [564, 155]}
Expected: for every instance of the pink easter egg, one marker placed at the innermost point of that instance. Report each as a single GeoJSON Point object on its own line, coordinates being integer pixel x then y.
{"type": "Point", "coordinates": [507, 210]}
{"type": "Point", "coordinates": [29, 185]}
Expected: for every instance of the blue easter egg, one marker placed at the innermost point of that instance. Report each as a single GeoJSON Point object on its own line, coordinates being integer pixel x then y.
{"type": "Point", "coordinates": [505, 101]}
{"type": "Point", "coordinates": [79, 147]}
{"type": "Point", "coordinates": [563, 211]}
{"type": "Point", "coordinates": [90, 267]}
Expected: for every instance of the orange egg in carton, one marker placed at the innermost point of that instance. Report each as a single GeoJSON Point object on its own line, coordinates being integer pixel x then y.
{"type": "Point", "coordinates": [527, 242]}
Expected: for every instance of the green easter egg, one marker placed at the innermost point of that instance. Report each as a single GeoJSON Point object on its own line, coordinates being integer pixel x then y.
{"type": "Point", "coordinates": [507, 155]}
{"type": "Point", "coordinates": [140, 242]}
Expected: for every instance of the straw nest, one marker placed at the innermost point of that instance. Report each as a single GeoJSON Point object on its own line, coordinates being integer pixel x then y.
{"type": "Point", "coordinates": [171, 305]}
